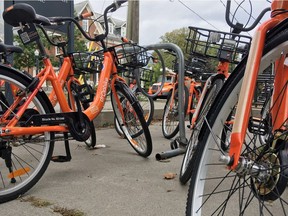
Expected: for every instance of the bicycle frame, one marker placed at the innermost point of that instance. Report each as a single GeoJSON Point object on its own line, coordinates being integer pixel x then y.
{"type": "Point", "coordinates": [192, 90]}
{"type": "Point", "coordinates": [249, 81]}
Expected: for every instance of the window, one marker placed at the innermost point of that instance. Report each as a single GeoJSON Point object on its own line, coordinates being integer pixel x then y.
{"type": "Point", "coordinates": [111, 28]}
{"type": "Point", "coordinates": [85, 25]}
{"type": "Point", "coordinates": [123, 31]}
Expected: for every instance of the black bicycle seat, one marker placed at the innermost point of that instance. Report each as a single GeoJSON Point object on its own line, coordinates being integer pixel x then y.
{"type": "Point", "coordinates": [4, 48]}
{"type": "Point", "coordinates": [23, 13]}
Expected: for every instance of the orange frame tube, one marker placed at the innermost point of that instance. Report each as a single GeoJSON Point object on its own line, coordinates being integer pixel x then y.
{"type": "Point", "coordinates": [58, 95]}
{"type": "Point", "coordinates": [247, 93]}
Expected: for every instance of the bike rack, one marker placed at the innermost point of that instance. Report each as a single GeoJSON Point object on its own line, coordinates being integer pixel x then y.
{"type": "Point", "coordinates": [179, 144]}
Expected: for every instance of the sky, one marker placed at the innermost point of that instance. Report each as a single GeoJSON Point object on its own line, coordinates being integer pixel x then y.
{"type": "Point", "coordinates": [160, 16]}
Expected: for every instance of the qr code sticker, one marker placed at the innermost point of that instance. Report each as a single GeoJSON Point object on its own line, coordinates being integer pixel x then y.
{"type": "Point", "coordinates": [25, 37]}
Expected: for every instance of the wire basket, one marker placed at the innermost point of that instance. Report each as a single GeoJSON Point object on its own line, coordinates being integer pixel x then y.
{"type": "Point", "coordinates": [87, 62]}
{"type": "Point", "coordinates": [131, 55]}
{"type": "Point", "coordinates": [224, 46]}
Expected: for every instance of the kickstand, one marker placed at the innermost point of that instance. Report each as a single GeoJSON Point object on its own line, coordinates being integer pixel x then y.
{"type": "Point", "coordinates": [62, 158]}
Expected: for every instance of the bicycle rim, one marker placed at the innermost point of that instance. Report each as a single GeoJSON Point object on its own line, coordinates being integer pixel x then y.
{"type": "Point", "coordinates": [214, 190]}
{"type": "Point", "coordinates": [30, 154]}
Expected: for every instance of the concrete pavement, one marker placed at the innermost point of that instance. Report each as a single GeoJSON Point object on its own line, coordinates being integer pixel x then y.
{"type": "Point", "coordinates": [108, 181]}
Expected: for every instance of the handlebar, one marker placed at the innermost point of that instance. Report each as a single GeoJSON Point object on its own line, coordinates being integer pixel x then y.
{"type": "Point", "coordinates": [240, 28]}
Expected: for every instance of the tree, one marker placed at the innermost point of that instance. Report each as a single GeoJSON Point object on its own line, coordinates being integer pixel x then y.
{"type": "Point", "coordinates": [26, 60]}
{"type": "Point", "coordinates": [178, 37]}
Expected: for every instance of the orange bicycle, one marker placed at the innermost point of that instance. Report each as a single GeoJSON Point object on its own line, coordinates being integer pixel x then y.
{"type": "Point", "coordinates": [228, 49]}
{"type": "Point", "coordinates": [170, 119]}
{"type": "Point", "coordinates": [27, 142]}
{"type": "Point", "coordinates": [249, 176]}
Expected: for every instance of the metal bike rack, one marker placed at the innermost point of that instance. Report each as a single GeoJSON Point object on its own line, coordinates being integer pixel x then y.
{"type": "Point", "coordinates": [179, 143]}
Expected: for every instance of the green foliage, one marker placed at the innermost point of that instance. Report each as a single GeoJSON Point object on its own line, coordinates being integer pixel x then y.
{"type": "Point", "coordinates": [79, 42]}
{"type": "Point", "coordinates": [177, 37]}
{"type": "Point", "coordinates": [27, 60]}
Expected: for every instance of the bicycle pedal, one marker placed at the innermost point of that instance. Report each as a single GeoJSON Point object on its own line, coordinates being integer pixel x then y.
{"type": "Point", "coordinates": [60, 159]}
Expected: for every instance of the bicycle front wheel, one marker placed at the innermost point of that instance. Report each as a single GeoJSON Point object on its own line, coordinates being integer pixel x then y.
{"type": "Point", "coordinates": [185, 171]}
{"type": "Point", "coordinates": [133, 123]}
{"type": "Point", "coordinates": [24, 159]}
{"type": "Point", "coordinates": [261, 190]}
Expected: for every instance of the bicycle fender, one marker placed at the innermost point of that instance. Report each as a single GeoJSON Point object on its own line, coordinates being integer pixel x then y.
{"type": "Point", "coordinates": [217, 76]}
{"type": "Point", "coordinates": [27, 77]}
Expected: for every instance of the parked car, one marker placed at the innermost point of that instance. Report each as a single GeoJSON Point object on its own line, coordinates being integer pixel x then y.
{"type": "Point", "coordinates": [167, 86]}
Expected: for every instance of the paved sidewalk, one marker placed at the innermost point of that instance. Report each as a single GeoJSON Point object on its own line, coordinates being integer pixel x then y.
{"type": "Point", "coordinates": [109, 181]}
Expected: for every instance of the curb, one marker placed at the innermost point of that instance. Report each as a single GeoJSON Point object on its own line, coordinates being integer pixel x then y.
{"type": "Point", "coordinates": [106, 117]}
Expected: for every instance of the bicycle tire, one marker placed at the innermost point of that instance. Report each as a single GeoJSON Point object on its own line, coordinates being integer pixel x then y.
{"type": "Point", "coordinates": [135, 127]}
{"type": "Point", "coordinates": [29, 160]}
{"type": "Point", "coordinates": [118, 128]}
{"type": "Point", "coordinates": [185, 170]}
{"type": "Point", "coordinates": [170, 120]}
{"type": "Point", "coordinates": [92, 140]}
{"type": "Point", "coordinates": [252, 198]}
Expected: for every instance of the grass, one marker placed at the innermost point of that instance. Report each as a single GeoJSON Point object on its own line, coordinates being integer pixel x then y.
{"type": "Point", "coordinates": [40, 203]}
{"type": "Point", "coordinates": [68, 212]}
{"type": "Point", "coordinates": [37, 202]}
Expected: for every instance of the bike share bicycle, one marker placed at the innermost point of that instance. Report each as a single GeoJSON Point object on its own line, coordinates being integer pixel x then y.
{"type": "Point", "coordinates": [249, 176]}
{"type": "Point", "coordinates": [27, 143]}
{"type": "Point", "coordinates": [228, 49]}
{"type": "Point", "coordinates": [170, 119]}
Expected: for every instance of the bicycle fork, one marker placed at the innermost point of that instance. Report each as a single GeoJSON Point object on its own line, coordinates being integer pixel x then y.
{"type": "Point", "coordinates": [245, 163]}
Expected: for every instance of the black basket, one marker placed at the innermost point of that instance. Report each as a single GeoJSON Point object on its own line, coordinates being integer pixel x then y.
{"type": "Point", "coordinates": [87, 62]}
{"type": "Point", "coordinates": [131, 55]}
{"type": "Point", "coordinates": [224, 46]}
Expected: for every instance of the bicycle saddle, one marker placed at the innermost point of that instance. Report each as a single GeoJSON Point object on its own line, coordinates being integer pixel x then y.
{"type": "Point", "coordinates": [23, 13]}
{"type": "Point", "coordinates": [4, 48]}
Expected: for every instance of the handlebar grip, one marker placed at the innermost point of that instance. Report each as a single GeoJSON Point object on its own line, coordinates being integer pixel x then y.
{"type": "Point", "coordinates": [117, 4]}
{"type": "Point", "coordinates": [124, 39]}
{"type": "Point", "coordinates": [83, 16]}
{"type": "Point", "coordinates": [120, 2]}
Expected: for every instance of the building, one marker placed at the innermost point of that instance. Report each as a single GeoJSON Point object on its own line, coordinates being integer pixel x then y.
{"type": "Point", "coordinates": [117, 28]}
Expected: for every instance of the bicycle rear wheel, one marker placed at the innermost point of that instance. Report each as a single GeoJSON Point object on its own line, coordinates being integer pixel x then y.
{"type": "Point", "coordinates": [133, 125]}
{"type": "Point", "coordinates": [170, 119]}
{"type": "Point", "coordinates": [24, 159]}
{"type": "Point", "coordinates": [185, 171]}
{"type": "Point", "coordinates": [215, 190]}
